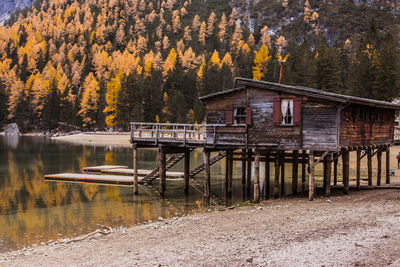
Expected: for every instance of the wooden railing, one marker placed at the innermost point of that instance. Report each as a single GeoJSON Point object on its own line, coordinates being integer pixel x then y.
{"type": "Point", "coordinates": [182, 133]}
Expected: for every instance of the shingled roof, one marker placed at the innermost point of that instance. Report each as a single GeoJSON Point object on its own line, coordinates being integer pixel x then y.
{"type": "Point", "coordinates": [242, 83]}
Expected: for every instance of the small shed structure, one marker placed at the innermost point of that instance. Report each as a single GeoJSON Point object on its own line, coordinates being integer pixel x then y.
{"type": "Point", "coordinates": [259, 121]}
{"type": "Point", "coordinates": [285, 117]}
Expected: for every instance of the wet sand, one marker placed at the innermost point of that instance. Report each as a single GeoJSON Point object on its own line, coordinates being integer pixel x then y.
{"type": "Point", "coordinates": [359, 229]}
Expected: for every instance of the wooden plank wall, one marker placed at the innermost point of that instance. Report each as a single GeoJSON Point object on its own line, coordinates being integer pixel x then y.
{"type": "Point", "coordinates": [373, 128]}
{"type": "Point", "coordinates": [263, 129]}
{"type": "Point", "coordinates": [319, 124]}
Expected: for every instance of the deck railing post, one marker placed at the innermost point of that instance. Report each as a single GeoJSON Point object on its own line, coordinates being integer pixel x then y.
{"type": "Point", "coordinates": [184, 135]}
{"type": "Point", "coordinates": [156, 137]}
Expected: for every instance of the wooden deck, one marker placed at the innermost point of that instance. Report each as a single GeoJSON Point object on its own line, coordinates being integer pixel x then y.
{"type": "Point", "coordinates": [91, 178]}
{"type": "Point", "coordinates": [188, 135]}
{"type": "Point", "coordinates": [123, 170]}
{"type": "Point", "coordinates": [141, 173]}
{"type": "Point", "coordinates": [103, 167]}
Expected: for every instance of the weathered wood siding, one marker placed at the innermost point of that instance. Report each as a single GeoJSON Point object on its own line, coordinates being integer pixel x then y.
{"type": "Point", "coordinates": [372, 127]}
{"type": "Point", "coordinates": [216, 114]}
{"type": "Point", "coordinates": [319, 120]}
{"type": "Point", "coordinates": [323, 125]}
{"type": "Point", "coordinates": [263, 131]}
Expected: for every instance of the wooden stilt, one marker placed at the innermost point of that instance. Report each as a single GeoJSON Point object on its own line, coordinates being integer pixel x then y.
{"type": "Point", "coordinates": [162, 170]}
{"type": "Point", "coordinates": [387, 165]}
{"type": "Point", "coordinates": [244, 167]}
{"type": "Point", "coordinates": [311, 177]}
{"type": "Point", "coordinates": [186, 171]}
{"type": "Point", "coordinates": [135, 170]}
{"type": "Point", "coordinates": [325, 172]}
{"type": "Point", "coordinates": [227, 162]}
{"type": "Point", "coordinates": [303, 171]}
{"type": "Point", "coordinates": [369, 163]}
{"type": "Point", "coordinates": [282, 176]}
{"type": "Point", "coordinates": [248, 183]}
{"type": "Point", "coordinates": [295, 171]}
{"type": "Point", "coordinates": [266, 181]}
{"type": "Point", "coordinates": [257, 178]}
{"type": "Point", "coordinates": [230, 173]}
{"type": "Point", "coordinates": [276, 181]}
{"type": "Point", "coordinates": [379, 167]}
{"type": "Point", "coordinates": [335, 163]}
{"type": "Point", "coordinates": [345, 159]}
{"type": "Point", "coordinates": [328, 175]}
{"type": "Point", "coordinates": [207, 180]}
{"type": "Point", "coordinates": [358, 169]}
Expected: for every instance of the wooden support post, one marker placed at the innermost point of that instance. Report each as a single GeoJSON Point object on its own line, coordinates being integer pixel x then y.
{"type": "Point", "coordinates": [282, 175]}
{"type": "Point", "coordinates": [358, 169]}
{"type": "Point", "coordinates": [345, 159]}
{"type": "Point", "coordinates": [335, 163]}
{"type": "Point", "coordinates": [325, 173]}
{"type": "Point", "coordinates": [379, 167]}
{"type": "Point", "coordinates": [266, 181]}
{"type": "Point", "coordinates": [230, 173]}
{"type": "Point", "coordinates": [303, 171]}
{"type": "Point", "coordinates": [186, 171]}
{"type": "Point", "coordinates": [328, 174]}
{"type": "Point", "coordinates": [295, 171]}
{"type": "Point", "coordinates": [243, 167]}
{"type": "Point", "coordinates": [227, 161]}
{"type": "Point", "coordinates": [161, 170]}
{"type": "Point", "coordinates": [135, 170]}
{"type": "Point", "coordinates": [387, 165]}
{"type": "Point", "coordinates": [207, 180]}
{"type": "Point", "coordinates": [257, 178]}
{"type": "Point", "coordinates": [276, 181]}
{"type": "Point", "coordinates": [369, 163]}
{"type": "Point", "coordinates": [248, 185]}
{"type": "Point", "coordinates": [311, 187]}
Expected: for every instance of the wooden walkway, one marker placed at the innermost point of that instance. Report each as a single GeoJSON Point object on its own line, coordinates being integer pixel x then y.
{"type": "Point", "coordinates": [91, 178]}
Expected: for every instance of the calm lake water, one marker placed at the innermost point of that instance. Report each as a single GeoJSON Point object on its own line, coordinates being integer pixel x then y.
{"type": "Point", "coordinates": [34, 211]}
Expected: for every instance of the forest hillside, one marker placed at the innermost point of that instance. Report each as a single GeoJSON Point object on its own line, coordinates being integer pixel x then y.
{"type": "Point", "coordinates": [104, 63]}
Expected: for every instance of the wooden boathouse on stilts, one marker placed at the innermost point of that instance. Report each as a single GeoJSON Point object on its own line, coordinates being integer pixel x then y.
{"type": "Point", "coordinates": [259, 121]}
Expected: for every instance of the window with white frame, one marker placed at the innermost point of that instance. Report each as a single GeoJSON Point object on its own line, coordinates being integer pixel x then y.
{"type": "Point", "coordinates": [287, 111]}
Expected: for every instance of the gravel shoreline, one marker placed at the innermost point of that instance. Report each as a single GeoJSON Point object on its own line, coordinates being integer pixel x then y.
{"type": "Point", "coordinates": [362, 228]}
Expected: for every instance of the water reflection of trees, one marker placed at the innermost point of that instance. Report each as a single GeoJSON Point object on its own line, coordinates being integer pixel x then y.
{"type": "Point", "coordinates": [32, 210]}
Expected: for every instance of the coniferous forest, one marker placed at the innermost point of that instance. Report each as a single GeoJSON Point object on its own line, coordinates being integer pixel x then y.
{"type": "Point", "coordinates": [105, 63]}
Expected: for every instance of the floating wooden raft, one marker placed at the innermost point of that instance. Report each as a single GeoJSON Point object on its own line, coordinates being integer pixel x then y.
{"type": "Point", "coordinates": [91, 178]}
{"type": "Point", "coordinates": [141, 173]}
{"type": "Point", "coordinates": [103, 167]}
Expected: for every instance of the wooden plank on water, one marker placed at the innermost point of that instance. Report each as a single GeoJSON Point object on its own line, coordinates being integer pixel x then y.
{"type": "Point", "coordinates": [141, 173]}
{"type": "Point", "coordinates": [93, 178]}
{"type": "Point", "coordinates": [103, 167]}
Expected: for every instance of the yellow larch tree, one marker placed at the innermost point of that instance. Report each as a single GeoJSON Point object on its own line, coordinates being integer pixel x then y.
{"type": "Point", "coordinates": [260, 61]}
{"type": "Point", "coordinates": [90, 99]}
{"type": "Point", "coordinates": [113, 89]}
